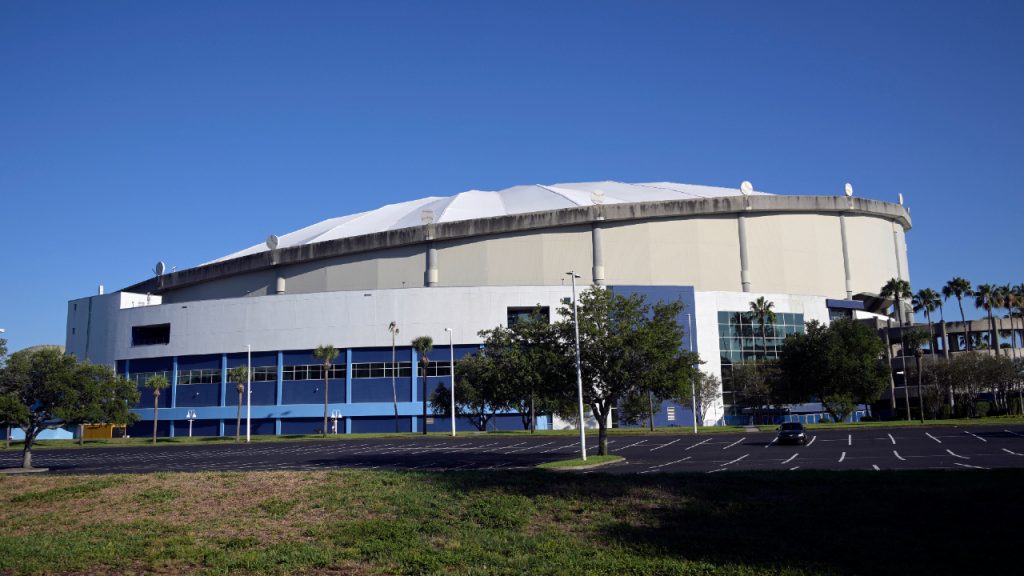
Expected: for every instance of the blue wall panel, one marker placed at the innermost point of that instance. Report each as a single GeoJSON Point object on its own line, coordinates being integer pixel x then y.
{"type": "Point", "coordinates": [146, 397]}
{"type": "Point", "coordinates": [264, 393]}
{"type": "Point", "coordinates": [149, 365]}
{"type": "Point", "coordinates": [144, 429]}
{"type": "Point", "coordinates": [312, 392]}
{"type": "Point", "coordinates": [199, 428]}
{"type": "Point", "coordinates": [380, 424]}
{"type": "Point", "coordinates": [668, 294]}
{"type": "Point", "coordinates": [258, 359]}
{"type": "Point", "coordinates": [210, 361]}
{"type": "Point", "coordinates": [309, 425]}
{"type": "Point", "coordinates": [303, 357]}
{"type": "Point", "coordinates": [379, 390]}
{"type": "Point", "coordinates": [198, 395]}
{"type": "Point", "coordinates": [380, 354]}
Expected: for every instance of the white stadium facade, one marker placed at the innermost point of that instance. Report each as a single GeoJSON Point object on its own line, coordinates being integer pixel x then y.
{"type": "Point", "coordinates": [470, 262]}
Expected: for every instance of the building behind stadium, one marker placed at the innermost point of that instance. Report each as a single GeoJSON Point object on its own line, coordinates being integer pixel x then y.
{"type": "Point", "coordinates": [470, 262]}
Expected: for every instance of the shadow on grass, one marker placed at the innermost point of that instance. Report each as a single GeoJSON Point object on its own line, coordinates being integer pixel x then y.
{"type": "Point", "coordinates": [914, 522]}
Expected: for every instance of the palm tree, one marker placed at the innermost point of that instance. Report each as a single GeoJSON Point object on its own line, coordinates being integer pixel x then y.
{"type": "Point", "coordinates": [762, 310]}
{"type": "Point", "coordinates": [986, 298]}
{"type": "Point", "coordinates": [239, 375]}
{"type": "Point", "coordinates": [423, 345]}
{"type": "Point", "coordinates": [1007, 298]}
{"type": "Point", "coordinates": [393, 329]}
{"type": "Point", "coordinates": [927, 300]}
{"type": "Point", "coordinates": [898, 289]}
{"type": "Point", "coordinates": [156, 384]}
{"type": "Point", "coordinates": [960, 288]}
{"type": "Point", "coordinates": [326, 354]}
{"type": "Point", "coordinates": [1018, 292]}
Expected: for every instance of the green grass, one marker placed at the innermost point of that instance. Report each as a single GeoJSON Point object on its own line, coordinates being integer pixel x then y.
{"type": "Point", "coordinates": [476, 523]}
{"type": "Point", "coordinates": [989, 421]}
{"type": "Point", "coordinates": [578, 462]}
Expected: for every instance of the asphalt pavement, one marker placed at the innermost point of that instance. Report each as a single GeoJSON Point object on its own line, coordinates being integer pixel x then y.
{"type": "Point", "coordinates": [916, 448]}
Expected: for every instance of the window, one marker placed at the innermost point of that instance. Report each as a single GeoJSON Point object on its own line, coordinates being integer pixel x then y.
{"type": "Point", "coordinates": [741, 339]}
{"type": "Point", "coordinates": [671, 413]}
{"type": "Point", "coordinates": [140, 377]}
{"type": "Point", "coordinates": [381, 370]}
{"type": "Point", "coordinates": [150, 335]}
{"type": "Point", "coordinates": [311, 372]}
{"type": "Point", "coordinates": [201, 376]}
{"type": "Point", "coordinates": [264, 373]}
{"type": "Point", "coordinates": [520, 313]}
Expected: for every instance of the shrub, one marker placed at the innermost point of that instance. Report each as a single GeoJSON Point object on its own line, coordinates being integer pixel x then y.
{"type": "Point", "coordinates": [981, 408]}
{"type": "Point", "coordinates": [945, 413]}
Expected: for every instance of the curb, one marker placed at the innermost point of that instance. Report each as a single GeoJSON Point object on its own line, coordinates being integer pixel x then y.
{"type": "Point", "coordinates": [585, 467]}
{"type": "Point", "coordinates": [23, 470]}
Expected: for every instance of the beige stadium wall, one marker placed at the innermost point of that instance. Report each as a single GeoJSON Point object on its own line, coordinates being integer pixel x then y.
{"type": "Point", "coordinates": [873, 252]}
{"type": "Point", "coordinates": [796, 254]}
{"type": "Point", "coordinates": [532, 258]}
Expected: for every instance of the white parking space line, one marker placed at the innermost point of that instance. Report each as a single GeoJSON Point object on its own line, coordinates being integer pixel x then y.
{"type": "Point", "coordinates": [842, 456]}
{"type": "Point", "coordinates": [1012, 432]}
{"type": "Point", "coordinates": [813, 438]}
{"type": "Point", "coordinates": [719, 470]}
{"type": "Point", "coordinates": [933, 437]}
{"type": "Point", "coordinates": [735, 461]}
{"type": "Point", "coordinates": [699, 443]}
{"type": "Point", "coordinates": [772, 443]}
{"type": "Point", "coordinates": [791, 458]}
{"type": "Point", "coordinates": [659, 466]}
{"type": "Point", "coordinates": [734, 443]}
{"type": "Point", "coordinates": [898, 455]}
{"type": "Point", "coordinates": [663, 445]}
{"type": "Point", "coordinates": [1012, 452]}
{"type": "Point", "coordinates": [893, 440]}
{"type": "Point", "coordinates": [875, 466]}
{"type": "Point", "coordinates": [631, 445]}
{"type": "Point", "coordinates": [793, 468]}
{"type": "Point", "coordinates": [975, 435]}
{"type": "Point", "coordinates": [970, 466]}
{"type": "Point", "coordinates": [529, 447]}
{"type": "Point", "coordinates": [951, 453]}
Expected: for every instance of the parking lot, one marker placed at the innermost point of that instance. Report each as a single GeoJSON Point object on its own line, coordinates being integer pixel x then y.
{"type": "Point", "coordinates": [937, 448]}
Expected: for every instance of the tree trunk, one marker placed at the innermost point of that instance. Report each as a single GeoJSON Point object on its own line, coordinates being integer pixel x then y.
{"type": "Point", "coordinates": [888, 355]}
{"type": "Point", "coordinates": [533, 414]}
{"type": "Point", "coordinates": [238, 418]}
{"type": "Point", "coordinates": [920, 397]}
{"type": "Point", "coordinates": [7, 439]}
{"type": "Point", "coordinates": [650, 408]}
{"type": "Point", "coordinates": [424, 372]}
{"type": "Point", "coordinates": [326, 384]}
{"type": "Point", "coordinates": [602, 434]}
{"type": "Point", "coordinates": [81, 434]}
{"type": "Point", "coordinates": [967, 327]}
{"type": "Point", "coordinates": [156, 411]}
{"type": "Point", "coordinates": [26, 454]}
{"type": "Point", "coordinates": [993, 332]}
{"type": "Point", "coordinates": [394, 389]}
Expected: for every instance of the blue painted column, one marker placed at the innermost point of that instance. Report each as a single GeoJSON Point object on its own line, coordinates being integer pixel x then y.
{"type": "Point", "coordinates": [222, 427]}
{"type": "Point", "coordinates": [348, 376]}
{"type": "Point", "coordinates": [174, 390]}
{"type": "Point", "coordinates": [415, 388]}
{"type": "Point", "coordinates": [280, 379]}
{"type": "Point", "coordinates": [348, 425]}
{"type": "Point", "coordinates": [223, 379]}
{"type": "Point", "coordinates": [127, 368]}
{"type": "Point", "coordinates": [277, 426]}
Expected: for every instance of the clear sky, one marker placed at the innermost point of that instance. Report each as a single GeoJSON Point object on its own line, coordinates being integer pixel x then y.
{"type": "Point", "coordinates": [132, 132]}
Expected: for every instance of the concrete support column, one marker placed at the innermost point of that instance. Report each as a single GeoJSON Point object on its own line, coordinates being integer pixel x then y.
{"type": "Point", "coordinates": [744, 267]}
{"type": "Point", "coordinates": [846, 256]}
{"type": "Point", "coordinates": [430, 277]}
{"type": "Point", "coordinates": [279, 287]}
{"type": "Point", "coordinates": [598, 242]}
{"type": "Point", "coordinates": [174, 383]}
{"type": "Point", "coordinates": [223, 379]}
{"type": "Point", "coordinates": [280, 379]}
{"type": "Point", "coordinates": [348, 376]}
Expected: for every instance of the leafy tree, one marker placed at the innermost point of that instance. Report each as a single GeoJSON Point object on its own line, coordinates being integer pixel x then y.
{"type": "Point", "coordinates": [840, 365]}
{"type": "Point", "coordinates": [626, 346]}
{"type": "Point", "coordinates": [156, 384]}
{"type": "Point", "coordinates": [762, 310]}
{"type": "Point", "coordinates": [474, 394]}
{"type": "Point", "coordinates": [239, 375]}
{"type": "Point", "coordinates": [708, 390]}
{"type": "Point", "coordinates": [985, 297]}
{"type": "Point", "coordinates": [326, 354]}
{"type": "Point", "coordinates": [960, 288]}
{"type": "Point", "coordinates": [423, 345]}
{"type": "Point", "coordinates": [970, 374]}
{"type": "Point", "coordinates": [755, 383]}
{"type": "Point", "coordinates": [42, 388]}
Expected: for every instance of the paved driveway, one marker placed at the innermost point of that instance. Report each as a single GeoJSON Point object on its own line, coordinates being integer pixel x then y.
{"type": "Point", "coordinates": [940, 448]}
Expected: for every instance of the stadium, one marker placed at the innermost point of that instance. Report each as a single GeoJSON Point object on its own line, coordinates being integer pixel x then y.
{"type": "Point", "coordinates": [470, 262]}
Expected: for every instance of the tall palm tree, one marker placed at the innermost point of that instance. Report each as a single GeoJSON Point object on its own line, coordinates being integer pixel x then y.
{"type": "Point", "coordinates": [156, 384]}
{"type": "Point", "coordinates": [239, 375]}
{"type": "Point", "coordinates": [1018, 292]}
{"type": "Point", "coordinates": [986, 297]}
{"type": "Point", "coordinates": [927, 300]}
{"type": "Point", "coordinates": [763, 310]}
{"type": "Point", "coordinates": [326, 354]}
{"type": "Point", "coordinates": [898, 290]}
{"type": "Point", "coordinates": [423, 346]}
{"type": "Point", "coordinates": [960, 288]}
{"type": "Point", "coordinates": [393, 329]}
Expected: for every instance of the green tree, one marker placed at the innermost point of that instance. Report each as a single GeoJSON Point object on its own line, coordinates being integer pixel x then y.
{"type": "Point", "coordinates": [840, 365]}
{"type": "Point", "coordinates": [985, 297]}
{"type": "Point", "coordinates": [424, 345]}
{"type": "Point", "coordinates": [763, 311]}
{"type": "Point", "coordinates": [326, 354]}
{"type": "Point", "coordinates": [626, 347]}
{"type": "Point", "coordinates": [42, 388]}
{"type": "Point", "coordinates": [927, 300]}
{"type": "Point", "coordinates": [708, 391]}
{"type": "Point", "coordinates": [960, 288]}
{"type": "Point", "coordinates": [239, 375]}
{"type": "Point", "coordinates": [475, 394]}
{"type": "Point", "coordinates": [156, 384]}
{"type": "Point", "coordinates": [755, 384]}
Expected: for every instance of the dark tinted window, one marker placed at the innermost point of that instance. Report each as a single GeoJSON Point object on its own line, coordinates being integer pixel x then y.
{"type": "Point", "coordinates": [152, 334]}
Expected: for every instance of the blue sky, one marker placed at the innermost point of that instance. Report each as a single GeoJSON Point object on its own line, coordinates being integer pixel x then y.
{"type": "Point", "coordinates": [132, 132]}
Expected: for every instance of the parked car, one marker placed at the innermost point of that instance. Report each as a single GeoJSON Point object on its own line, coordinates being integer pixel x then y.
{"type": "Point", "coordinates": [792, 433]}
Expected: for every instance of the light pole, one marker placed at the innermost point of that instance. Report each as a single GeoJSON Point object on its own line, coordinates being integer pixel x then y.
{"type": "Point", "coordinates": [451, 368]}
{"type": "Point", "coordinates": [579, 372]}
{"type": "Point", "coordinates": [393, 329]}
{"type": "Point", "coordinates": [248, 394]}
{"type": "Point", "coordinates": [191, 417]}
{"type": "Point", "coordinates": [693, 382]}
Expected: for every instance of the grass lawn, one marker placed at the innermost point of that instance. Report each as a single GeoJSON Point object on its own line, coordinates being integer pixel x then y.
{"type": "Point", "coordinates": [578, 462]}
{"type": "Point", "coordinates": [381, 522]}
{"type": "Point", "coordinates": [989, 421]}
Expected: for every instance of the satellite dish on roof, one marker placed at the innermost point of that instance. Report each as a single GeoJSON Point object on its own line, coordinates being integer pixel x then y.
{"type": "Point", "coordinates": [849, 190]}
{"type": "Point", "coordinates": [746, 187]}
{"type": "Point", "coordinates": [272, 242]}
{"type": "Point", "coordinates": [597, 197]}
{"type": "Point", "coordinates": [160, 268]}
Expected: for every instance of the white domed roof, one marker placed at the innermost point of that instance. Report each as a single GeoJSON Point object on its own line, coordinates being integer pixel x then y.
{"type": "Point", "coordinates": [474, 204]}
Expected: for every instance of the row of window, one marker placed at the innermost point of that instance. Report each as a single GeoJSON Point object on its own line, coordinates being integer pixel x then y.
{"type": "Point", "coordinates": [302, 372]}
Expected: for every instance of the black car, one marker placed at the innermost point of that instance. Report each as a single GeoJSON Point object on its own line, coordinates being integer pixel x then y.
{"type": "Point", "coordinates": [792, 433]}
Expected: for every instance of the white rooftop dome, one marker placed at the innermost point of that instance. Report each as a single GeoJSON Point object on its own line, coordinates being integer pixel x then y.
{"type": "Point", "coordinates": [474, 204]}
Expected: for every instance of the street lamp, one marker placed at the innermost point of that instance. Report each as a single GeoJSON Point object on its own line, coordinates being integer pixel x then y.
{"type": "Point", "coordinates": [693, 383]}
{"type": "Point", "coordinates": [248, 394]}
{"type": "Point", "coordinates": [191, 417]}
{"type": "Point", "coordinates": [335, 415]}
{"type": "Point", "coordinates": [579, 373]}
{"type": "Point", "coordinates": [451, 368]}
